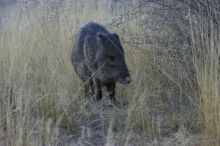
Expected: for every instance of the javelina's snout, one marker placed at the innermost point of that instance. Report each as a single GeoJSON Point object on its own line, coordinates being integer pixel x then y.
{"type": "Point", "coordinates": [125, 80]}
{"type": "Point", "coordinates": [125, 77]}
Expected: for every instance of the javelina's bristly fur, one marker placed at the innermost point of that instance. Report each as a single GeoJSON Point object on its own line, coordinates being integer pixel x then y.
{"type": "Point", "coordinates": [98, 58]}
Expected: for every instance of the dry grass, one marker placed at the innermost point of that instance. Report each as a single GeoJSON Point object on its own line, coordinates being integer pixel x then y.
{"type": "Point", "coordinates": [41, 99]}
{"type": "Point", "coordinates": [207, 71]}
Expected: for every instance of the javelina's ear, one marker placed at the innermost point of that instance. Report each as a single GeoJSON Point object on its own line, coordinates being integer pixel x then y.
{"type": "Point", "coordinates": [116, 35]}
{"type": "Point", "coordinates": [101, 38]}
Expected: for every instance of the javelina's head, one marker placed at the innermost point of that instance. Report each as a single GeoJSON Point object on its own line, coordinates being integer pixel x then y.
{"type": "Point", "coordinates": [111, 59]}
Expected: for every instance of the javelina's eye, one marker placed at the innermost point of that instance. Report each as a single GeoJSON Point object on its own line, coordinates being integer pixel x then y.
{"type": "Point", "coordinates": [112, 58]}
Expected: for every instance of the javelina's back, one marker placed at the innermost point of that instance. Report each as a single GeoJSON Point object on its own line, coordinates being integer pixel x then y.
{"type": "Point", "coordinates": [87, 36]}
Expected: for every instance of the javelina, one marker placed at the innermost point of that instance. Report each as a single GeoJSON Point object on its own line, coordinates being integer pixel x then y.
{"type": "Point", "coordinates": [98, 58]}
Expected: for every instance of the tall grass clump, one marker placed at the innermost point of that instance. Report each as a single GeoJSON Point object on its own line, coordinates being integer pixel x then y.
{"type": "Point", "coordinates": [206, 46]}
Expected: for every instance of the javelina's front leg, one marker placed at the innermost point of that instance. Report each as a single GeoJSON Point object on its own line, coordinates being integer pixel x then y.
{"type": "Point", "coordinates": [109, 91]}
{"type": "Point", "coordinates": [92, 87]}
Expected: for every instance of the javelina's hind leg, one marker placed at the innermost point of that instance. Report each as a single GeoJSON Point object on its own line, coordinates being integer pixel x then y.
{"type": "Point", "coordinates": [89, 87]}
{"type": "Point", "coordinates": [98, 91]}
{"type": "Point", "coordinates": [86, 92]}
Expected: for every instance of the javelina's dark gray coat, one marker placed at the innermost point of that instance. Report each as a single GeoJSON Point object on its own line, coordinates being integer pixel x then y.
{"type": "Point", "coordinates": [98, 58]}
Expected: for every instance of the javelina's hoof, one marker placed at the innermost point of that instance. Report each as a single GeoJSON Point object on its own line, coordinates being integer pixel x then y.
{"type": "Point", "coordinates": [117, 103]}
{"type": "Point", "coordinates": [98, 98]}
